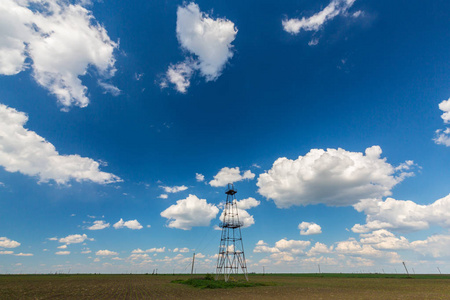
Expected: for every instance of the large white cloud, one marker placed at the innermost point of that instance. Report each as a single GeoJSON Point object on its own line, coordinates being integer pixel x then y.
{"type": "Point", "coordinates": [62, 41]}
{"type": "Point", "coordinates": [443, 135]}
{"type": "Point", "coordinates": [190, 212]}
{"type": "Point", "coordinates": [230, 175]}
{"type": "Point", "coordinates": [402, 215]}
{"type": "Point", "coordinates": [333, 177]}
{"type": "Point", "coordinates": [24, 151]}
{"type": "Point", "coordinates": [7, 243]}
{"type": "Point", "coordinates": [316, 21]}
{"type": "Point", "coordinates": [207, 39]}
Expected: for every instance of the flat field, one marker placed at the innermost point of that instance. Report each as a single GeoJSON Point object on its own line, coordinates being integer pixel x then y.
{"type": "Point", "coordinates": [280, 286]}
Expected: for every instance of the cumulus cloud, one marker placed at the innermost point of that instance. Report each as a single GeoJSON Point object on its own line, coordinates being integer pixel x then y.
{"type": "Point", "coordinates": [383, 239]}
{"type": "Point", "coordinates": [282, 248]}
{"type": "Point", "coordinates": [131, 224]}
{"type": "Point", "coordinates": [435, 246]}
{"type": "Point", "coordinates": [402, 215]}
{"type": "Point", "coordinates": [105, 253]}
{"type": "Point", "coordinates": [181, 250]}
{"type": "Point", "coordinates": [6, 252]}
{"type": "Point", "coordinates": [62, 253]}
{"type": "Point", "coordinates": [199, 177]}
{"type": "Point", "coordinates": [151, 250]}
{"type": "Point", "coordinates": [174, 189]}
{"type": "Point", "coordinates": [244, 217]}
{"type": "Point", "coordinates": [75, 239]}
{"type": "Point", "coordinates": [62, 41]}
{"type": "Point", "coordinates": [353, 247]}
{"type": "Point", "coordinates": [24, 151]}
{"type": "Point", "coordinates": [7, 243]}
{"type": "Point", "coordinates": [230, 175]}
{"type": "Point", "coordinates": [307, 228]}
{"type": "Point", "coordinates": [163, 196]}
{"type": "Point", "coordinates": [443, 135]}
{"type": "Point", "coordinates": [334, 177]}
{"type": "Point", "coordinates": [445, 107]}
{"type": "Point", "coordinates": [190, 212]}
{"type": "Point", "coordinates": [319, 248]}
{"type": "Point", "coordinates": [98, 225]}
{"type": "Point", "coordinates": [208, 40]}
{"type": "Point", "coordinates": [316, 21]}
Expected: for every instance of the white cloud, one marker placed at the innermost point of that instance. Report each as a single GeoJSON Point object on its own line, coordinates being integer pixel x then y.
{"type": "Point", "coordinates": [247, 203]}
{"type": "Point", "coordinates": [131, 224]}
{"type": "Point", "coordinates": [6, 252]}
{"type": "Point", "coordinates": [179, 75]}
{"type": "Point", "coordinates": [207, 39]}
{"type": "Point", "coordinates": [283, 249]}
{"type": "Point", "coordinates": [316, 21]}
{"type": "Point", "coordinates": [62, 247]}
{"type": "Point", "coordinates": [383, 239]}
{"type": "Point", "coordinates": [445, 107]}
{"type": "Point", "coordinates": [174, 189]}
{"type": "Point", "coordinates": [402, 215]}
{"type": "Point", "coordinates": [319, 248]}
{"type": "Point", "coordinates": [307, 228]}
{"type": "Point", "coordinates": [105, 253]}
{"type": "Point", "coordinates": [352, 247]}
{"type": "Point", "coordinates": [244, 217]}
{"type": "Point", "coordinates": [86, 251]}
{"type": "Point", "coordinates": [151, 250]}
{"type": "Point", "coordinates": [334, 177]}
{"type": "Point", "coordinates": [74, 239]}
{"type": "Point", "coordinates": [98, 225]}
{"type": "Point", "coordinates": [22, 150]}
{"type": "Point", "coordinates": [7, 243]}
{"type": "Point", "coordinates": [163, 196]}
{"type": "Point", "coordinates": [435, 246]}
{"type": "Point", "coordinates": [62, 40]}
{"type": "Point", "coordinates": [53, 239]}
{"type": "Point", "coordinates": [24, 254]}
{"type": "Point", "coordinates": [62, 253]}
{"type": "Point", "coordinates": [199, 177]}
{"type": "Point", "coordinates": [181, 250]}
{"type": "Point", "coordinates": [443, 135]}
{"type": "Point", "coordinates": [190, 212]}
{"type": "Point", "coordinates": [230, 175]}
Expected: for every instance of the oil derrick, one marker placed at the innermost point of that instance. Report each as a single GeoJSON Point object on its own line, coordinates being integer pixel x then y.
{"type": "Point", "coordinates": [231, 250]}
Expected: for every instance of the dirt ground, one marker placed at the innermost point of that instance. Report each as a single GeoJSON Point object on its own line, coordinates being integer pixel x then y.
{"type": "Point", "coordinates": [160, 287]}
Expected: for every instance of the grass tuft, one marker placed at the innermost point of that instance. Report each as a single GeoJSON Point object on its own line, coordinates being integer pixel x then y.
{"type": "Point", "coordinates": [208, 282]}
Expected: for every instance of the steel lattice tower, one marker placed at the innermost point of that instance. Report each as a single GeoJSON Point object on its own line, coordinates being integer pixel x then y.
{"type": "Point", "coordinates": [231, 249]}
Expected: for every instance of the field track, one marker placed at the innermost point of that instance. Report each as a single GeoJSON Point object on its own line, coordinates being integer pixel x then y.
{"type": "Point", "coordinates": [295, 286]}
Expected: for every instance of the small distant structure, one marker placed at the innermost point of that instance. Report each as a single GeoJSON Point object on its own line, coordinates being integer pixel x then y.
{"type": "Point", "coordinates": [231, 250]}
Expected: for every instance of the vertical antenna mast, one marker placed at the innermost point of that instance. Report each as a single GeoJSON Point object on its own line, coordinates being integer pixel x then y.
{"type": "Point", "coordinates": [231, 250]}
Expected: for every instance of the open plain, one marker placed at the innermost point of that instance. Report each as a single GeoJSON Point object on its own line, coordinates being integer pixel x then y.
{"type": "Point", "coordinates": [279, 286]}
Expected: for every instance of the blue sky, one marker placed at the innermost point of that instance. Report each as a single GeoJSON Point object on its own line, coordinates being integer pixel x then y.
{"type": "Point", "coordinates": [120, 126]}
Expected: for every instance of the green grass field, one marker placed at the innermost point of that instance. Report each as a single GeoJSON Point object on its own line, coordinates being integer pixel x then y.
{"type": "Point", "coordinates": [270, 286]}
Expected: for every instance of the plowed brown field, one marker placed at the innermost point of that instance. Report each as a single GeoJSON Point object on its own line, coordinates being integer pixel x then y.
{"type": "Point", "coordinates": [161, 287]}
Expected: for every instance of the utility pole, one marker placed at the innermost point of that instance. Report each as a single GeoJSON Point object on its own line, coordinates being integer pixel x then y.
{"type": "Point", "coordinates": [193, 260]}
{"type": "Point", "coordinates": [264, 270]}
{"type": "Point", "coordinates": [405, 268]}
{"type": "Point", "coordinates": [318, 265]}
